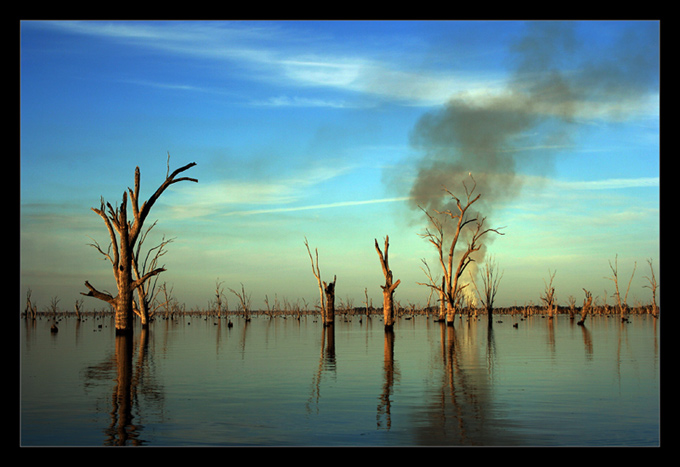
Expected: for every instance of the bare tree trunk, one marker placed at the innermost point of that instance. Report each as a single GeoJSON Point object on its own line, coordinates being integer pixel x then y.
{"type": "Point", "coordinates": [244, 299]}
{"type": "Point", "coordinates": [587, 302]}
{"type": "Point", "coordinates": [366, 302]}
{"type": "Point", "coordinates": [450, 287]}
{"type": "Point", "coordinates": [121, 251]}
{"type": "Point", "coordinates": [442, 303]}
{"type": "Point", "coordinates": [389, 287]}
{"type": "Point", "coordinates": [78, 305]}
{"type": "Point", "coordinates": [653, 285]}
{"type": "Point", "coordinates": [621, 305]}
{"type": "Point", "coordinates": [490, 282]}
{"type": "Point", "coordinates": [146, 291]}
{"type": "Point", "coordinates": [317, 274]}
{"type": "Point", "coordinates": [31, 309]}
{"type": "Point", "coordinates": [549, 298]}
{"type": "Point", "coordinates": [572, 307]}
{"type": "Point", "coordinates": [218, 298]}
{"type": "Point", "coordinates": [329, 318]}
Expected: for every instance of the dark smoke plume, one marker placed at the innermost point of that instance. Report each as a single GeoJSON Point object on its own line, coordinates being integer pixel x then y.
{"type": "Point", "coordinates": [557, 83]}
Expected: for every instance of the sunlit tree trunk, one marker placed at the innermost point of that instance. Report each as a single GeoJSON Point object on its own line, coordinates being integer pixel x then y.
{"type": "Point", "coordinates": [653, 285]}
{"type": "Point", "coordinates": [436, 234]}
{"type": "Point", "coordinates": [389, 287]}
{"type": "Point", "coordinates": [442, 302]}
{"type": "Point", "coordinates": [327, 309]}
{"type": "Point", "coordinates": [146, 291]}
{"type": "Point", "coordinates": [549, 297]}
{"type": "Point", "coordinates": [244, 300]}
{"type": "Point", "coordinates": [329, 289]}
{"type": "Point", "coordinates": [622, 306]}
{"type": "Point", "coordinates": [124, 235]}
{"type": "Point", "coordinates": [587, 302]}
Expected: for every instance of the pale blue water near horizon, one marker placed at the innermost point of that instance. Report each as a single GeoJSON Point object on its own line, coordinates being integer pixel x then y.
{"type": "Point", "coordinates": [284, 382]}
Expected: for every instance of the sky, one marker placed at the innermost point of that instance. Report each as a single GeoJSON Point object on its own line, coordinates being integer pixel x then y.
{"type": "Point", "coordinates": [342, 132]}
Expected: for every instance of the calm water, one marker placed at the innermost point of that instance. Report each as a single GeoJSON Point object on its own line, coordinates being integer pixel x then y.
{"type": "Point", "coordinates": [284, 382]}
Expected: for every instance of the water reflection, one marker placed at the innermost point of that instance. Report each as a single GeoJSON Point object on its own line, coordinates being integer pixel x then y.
{"type": "Point", "coordinates": [326, 364]}
{"type": "Point", "coordinates": [433, 384]}
{"type": "Point", "coordinates": [133, 378]}
{"type": "Point", "coordinates": [587, 342]}
{"type": "Point", "coordinates": [384, 417]}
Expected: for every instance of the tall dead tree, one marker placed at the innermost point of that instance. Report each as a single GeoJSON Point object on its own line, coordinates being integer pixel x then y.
{"type": "Point", "coordinates": [219, 295]}
{"type": "Point", "coordinates": [653, 285]}
{"type": "Point", "coordinates": [244, 300]}
{"type": "Point", "coordinates": [622, 305]}
{"type": "Point", "coordinates": [326, 291]}
{"type": "Point", "coordinates": [549, 297]}
{"type": "Point", "coordinates": [435, 234]}
{"type": "Point", "coordinates": [124, 235]}
{"type": "Point", "coordinates": [389, 287]}
{"type": "Point", "coordinates": [31, 310]}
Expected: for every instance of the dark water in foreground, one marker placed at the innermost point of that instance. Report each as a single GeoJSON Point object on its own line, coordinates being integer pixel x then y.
{"type": "Point", "coordinates": [284, 382]}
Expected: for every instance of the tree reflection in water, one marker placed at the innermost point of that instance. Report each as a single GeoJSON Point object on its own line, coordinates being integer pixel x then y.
{"type": "Point", "coordinates": [133, 378]}
{"type": "Point", "coordinates": [384, 417]}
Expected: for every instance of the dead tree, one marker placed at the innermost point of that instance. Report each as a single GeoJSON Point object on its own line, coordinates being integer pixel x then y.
{"type": "Point", "coordinates": [31, 310]}
{"type": "Point", "coordinates": [653, 285]}
{"type": "Point", "coordinates": [549, 297]}
{"type": "Point", "coordinates": [218, 299]}
{"type": "Point", "coordinates": [329, 289]}
{"type": "Point", "coordinates": [168, 303]}
{"type": "Point", "coordinates": [620, 305]}
{"type": "Point", "coordinates": [490, 283]}
{"type": "Point", "coordinates": [389, 287]}
{"type": "Point", "coordinates": [587, 302]}
{"type": "Point", "coordinates": [78, 305]}
{"type": "Point", "coordinates": [450, 288]}
{"type": "Point", "coordinates": [146, 292]}
{"type": "Point", "coordinates": [124, 235]}
{"type": "Point", "coordinates": [572, 307]}
{"type": "Point", "coordinates": [244, 300]}
{"type": "Point", "coordinates": [367, 302]}
{"type": "Point", "coordinates": [327, 309]}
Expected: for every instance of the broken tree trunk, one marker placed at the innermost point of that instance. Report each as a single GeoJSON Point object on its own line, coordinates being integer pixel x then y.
{"type": "Point", "coordinates": [329, 317]}
{"type": "Point", "coordinates": [389, 287]}
{"type": "Point", "coordinates": [586, 307]}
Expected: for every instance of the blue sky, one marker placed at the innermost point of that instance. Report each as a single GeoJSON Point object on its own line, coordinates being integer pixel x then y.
{"type": "Point", "coordinates": [324, 129]}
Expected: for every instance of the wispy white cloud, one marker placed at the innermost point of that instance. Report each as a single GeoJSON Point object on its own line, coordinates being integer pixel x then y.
{"type": "Point", "coordinates": [541, 183]}
{"type": "Point", "coordinates": [610, 184]}
{"type": "Point", "coordinates": [294, 101]}
{"type": "Point", "coordinates": [315, 206]}
{"type": "Point", "coordinates": [213, 199]}
{"type": "Point", "coordinates": [267, 52]}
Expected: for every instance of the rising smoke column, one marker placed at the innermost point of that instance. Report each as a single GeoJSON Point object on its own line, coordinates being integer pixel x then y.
{"type": "Point", "coordinates": [557, 82]}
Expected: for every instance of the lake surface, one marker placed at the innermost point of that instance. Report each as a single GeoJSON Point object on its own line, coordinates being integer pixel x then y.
{"type": "Point", "coordinates": [286, 382]}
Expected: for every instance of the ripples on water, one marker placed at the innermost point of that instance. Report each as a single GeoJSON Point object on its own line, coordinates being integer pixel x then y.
{"type": "Point", "coordinates": [284, 382]}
